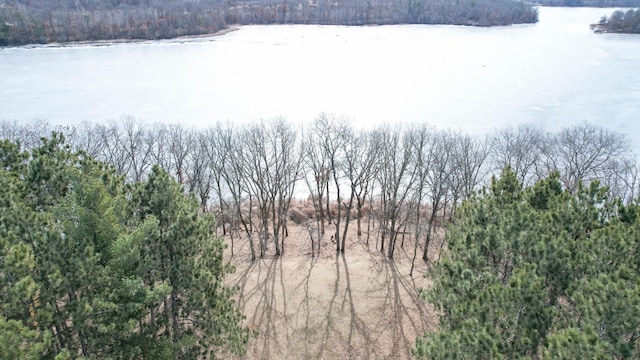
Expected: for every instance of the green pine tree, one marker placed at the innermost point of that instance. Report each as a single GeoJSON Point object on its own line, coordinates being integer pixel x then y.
{"type": "Point", "coordinates": [92, 268]}
{"type": "Point", "coordinates": [179, 253]}
{"type": "Point", "coordinates": [537, 273]}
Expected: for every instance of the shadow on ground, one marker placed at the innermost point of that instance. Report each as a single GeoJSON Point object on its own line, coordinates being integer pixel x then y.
{"type": "Point", "coordinates": [356, 305]}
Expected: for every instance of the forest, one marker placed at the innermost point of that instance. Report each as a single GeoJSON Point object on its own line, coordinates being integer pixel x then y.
{"type": "Point", "coordinates": [589, 3]}
{"type": "Point", "coordinates": [109, 248]}
{"type": "Point", "coordinates": [92, 268]}
{"type": "Point", "coordinates": [396, 174]}
{"type": "Point", "coordinates": [627, 22]}
{"type": "Point", "coordinates": [53, 21]}
{"type": "Point", "coordinates": [538, 272]}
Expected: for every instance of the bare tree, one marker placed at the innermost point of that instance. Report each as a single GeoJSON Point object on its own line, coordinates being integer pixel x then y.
{"type": "Point", "coordinates": [87, 139]}
{"type": "Point", "coordinates": [622, 176]}
{"type": "Point", "coordinates": [127, 145]}
{"type": "Point", "coordinates": [287, 173]}
{"type": "Point", "coordinates": [423, 140]}
{"type": "Point", "coordinates": [521, 148]}
{"type": "Point", "coordinates": [113, 146]}
{"type": "Point", "coordinates": [203, 174]}
{"type": "Point", "coordinates": [161, 152]}
{"type": "Point", "coordinates": [271, 167]}
{"type": "Point", "coordinates": [585, 153]}
{"type": "Point", "coordinates": [28, 135]}
{"type": "Point", "coordinates": [225, 163]}
{"type": "Point", "coordinates": [225, 152]}
{"type": "Point", "coordinates": [333, 133]}
{"type": "Point", "coordinates": [359, 166]}
{"type": "Point", "coordinates": [317, 171]}
{"type": "Point", "coordinates": [469, 169]}
{"type": "Point", "coordinates": [441, 160]}
{"type": "Point", "coordinates": [397, 174]}
{"type": "Point", "coordinates": [257, 163]}
{"type": "Point", "coordinates": [181, 143]}
{"type": "Point", "coordinates": [129, 136]}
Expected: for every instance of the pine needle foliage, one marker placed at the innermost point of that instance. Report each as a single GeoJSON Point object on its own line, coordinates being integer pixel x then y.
{"type": "Point", "coordinates": [537, 273]}
{"type": "Point", "coordinates": [92, 268]}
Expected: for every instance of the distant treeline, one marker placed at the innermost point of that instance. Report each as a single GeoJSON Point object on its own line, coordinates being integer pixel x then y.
{"type": "Point", "coordinates": [620, 22]}
{"type": "Point", "coordinates": [382, 12]}
{"type": "Point", "coordinates": [589, 3]}
{"type": "Point", "coordinates": [45, 21]}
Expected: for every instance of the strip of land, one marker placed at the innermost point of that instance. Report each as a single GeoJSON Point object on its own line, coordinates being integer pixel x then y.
{"type": "Point", "coordinates": [25, 22]}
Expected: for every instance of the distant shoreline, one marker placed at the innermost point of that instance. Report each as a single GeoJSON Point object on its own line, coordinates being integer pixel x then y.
{"type": "Point", "coordinates": [101, 43]}
{"type": "Point", "coordinates": [61, 21]}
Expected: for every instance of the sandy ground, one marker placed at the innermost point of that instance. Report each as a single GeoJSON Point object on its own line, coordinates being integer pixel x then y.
{"type": "Point", "coordinates": [356, 305]}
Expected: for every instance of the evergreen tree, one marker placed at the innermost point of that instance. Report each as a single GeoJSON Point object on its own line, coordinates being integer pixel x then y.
{"type": "Point", "coordinates": [537, 273]}
{"type": "Point", "coordinates": [79, 276]}
{"type": "Point", "coordinates": [183, 260]}
{"type": "Point", "coordinates": [57, 224]}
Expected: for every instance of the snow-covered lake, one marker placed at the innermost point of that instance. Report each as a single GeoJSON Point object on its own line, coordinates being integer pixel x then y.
{"type": "Point", "coordinates": [554, 73]}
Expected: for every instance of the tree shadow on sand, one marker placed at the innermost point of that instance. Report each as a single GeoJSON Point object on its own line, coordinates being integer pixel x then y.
{"type": "Point", "coordinates": [258, 284]}
{"type": "Point", "coordinates": [354, 306]}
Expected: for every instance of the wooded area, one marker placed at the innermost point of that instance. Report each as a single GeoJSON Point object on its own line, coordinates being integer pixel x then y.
{"type": "Point", "coordinates": [46, 21]}
{"type": "Point", "coordinates": [92, 268]}
{"type": "Point", "coordinates": [627, 22]}
{"type": "Point", "coordinates": [406, 179]}
{"type": "Point", "coordinates": [540, 272]}
{"type": "Point", "coordinates": [589, 3]}
{"type": "Point", "coordinates": [123, 260]}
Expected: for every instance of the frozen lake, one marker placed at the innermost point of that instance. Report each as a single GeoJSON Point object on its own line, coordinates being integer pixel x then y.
{"type": "Point", "coordinates": [553, 73]}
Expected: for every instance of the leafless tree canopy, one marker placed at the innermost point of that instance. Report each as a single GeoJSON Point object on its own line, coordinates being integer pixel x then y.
{"type": "Point", "coordinates": [402, 180]}
{"type": "Point", "coordinates": [45, 21]}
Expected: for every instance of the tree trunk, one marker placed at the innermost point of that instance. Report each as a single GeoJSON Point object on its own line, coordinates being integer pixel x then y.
{"type": "Point", "coordinates": [224, 231]}
{"type": "Point", "coordinates": [425, 253]}
{"type": "Point", "coordinates": [393, 236]}
{"type": "Point", "coordinates": [321, 211]}
{"type": "Point", "coordinates": [275, 222]}
{"type": "Point", "coordinates": [338, 215]}
{"type": "Point", "coordinates": [251, 247]}
{"type": "Point", "coordinates": [369, 218]}
{"type": "Point", "coordinates": [430, 226]}
{"type": "Point", "coordinates": [359, 219]}
{"type": "Point", "coordinates": [347, 219]}
{"type": "Point", "coordinates": [231, 236]}
{"type": "Point", "coordinates": [175, 321]}
{"type": "Point", "coordinates": [416, 238]}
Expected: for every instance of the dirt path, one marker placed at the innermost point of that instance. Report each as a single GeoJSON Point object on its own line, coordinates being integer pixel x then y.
{"type": "Point", "coordinates": [359, 305]}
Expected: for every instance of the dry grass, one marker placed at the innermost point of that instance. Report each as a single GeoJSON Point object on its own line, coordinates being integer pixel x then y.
{"type": "Point", "coordinates": [359, 305]}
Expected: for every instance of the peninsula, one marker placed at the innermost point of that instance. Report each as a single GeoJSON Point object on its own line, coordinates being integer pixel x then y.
{"type": "Point", "coordinates": [58, 21]}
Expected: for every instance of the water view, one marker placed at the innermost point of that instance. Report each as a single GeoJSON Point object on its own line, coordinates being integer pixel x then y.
{"type": "Point", "coordinates": [554, 73]}
{"type": "Point", "coordinates": [353, 241]}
